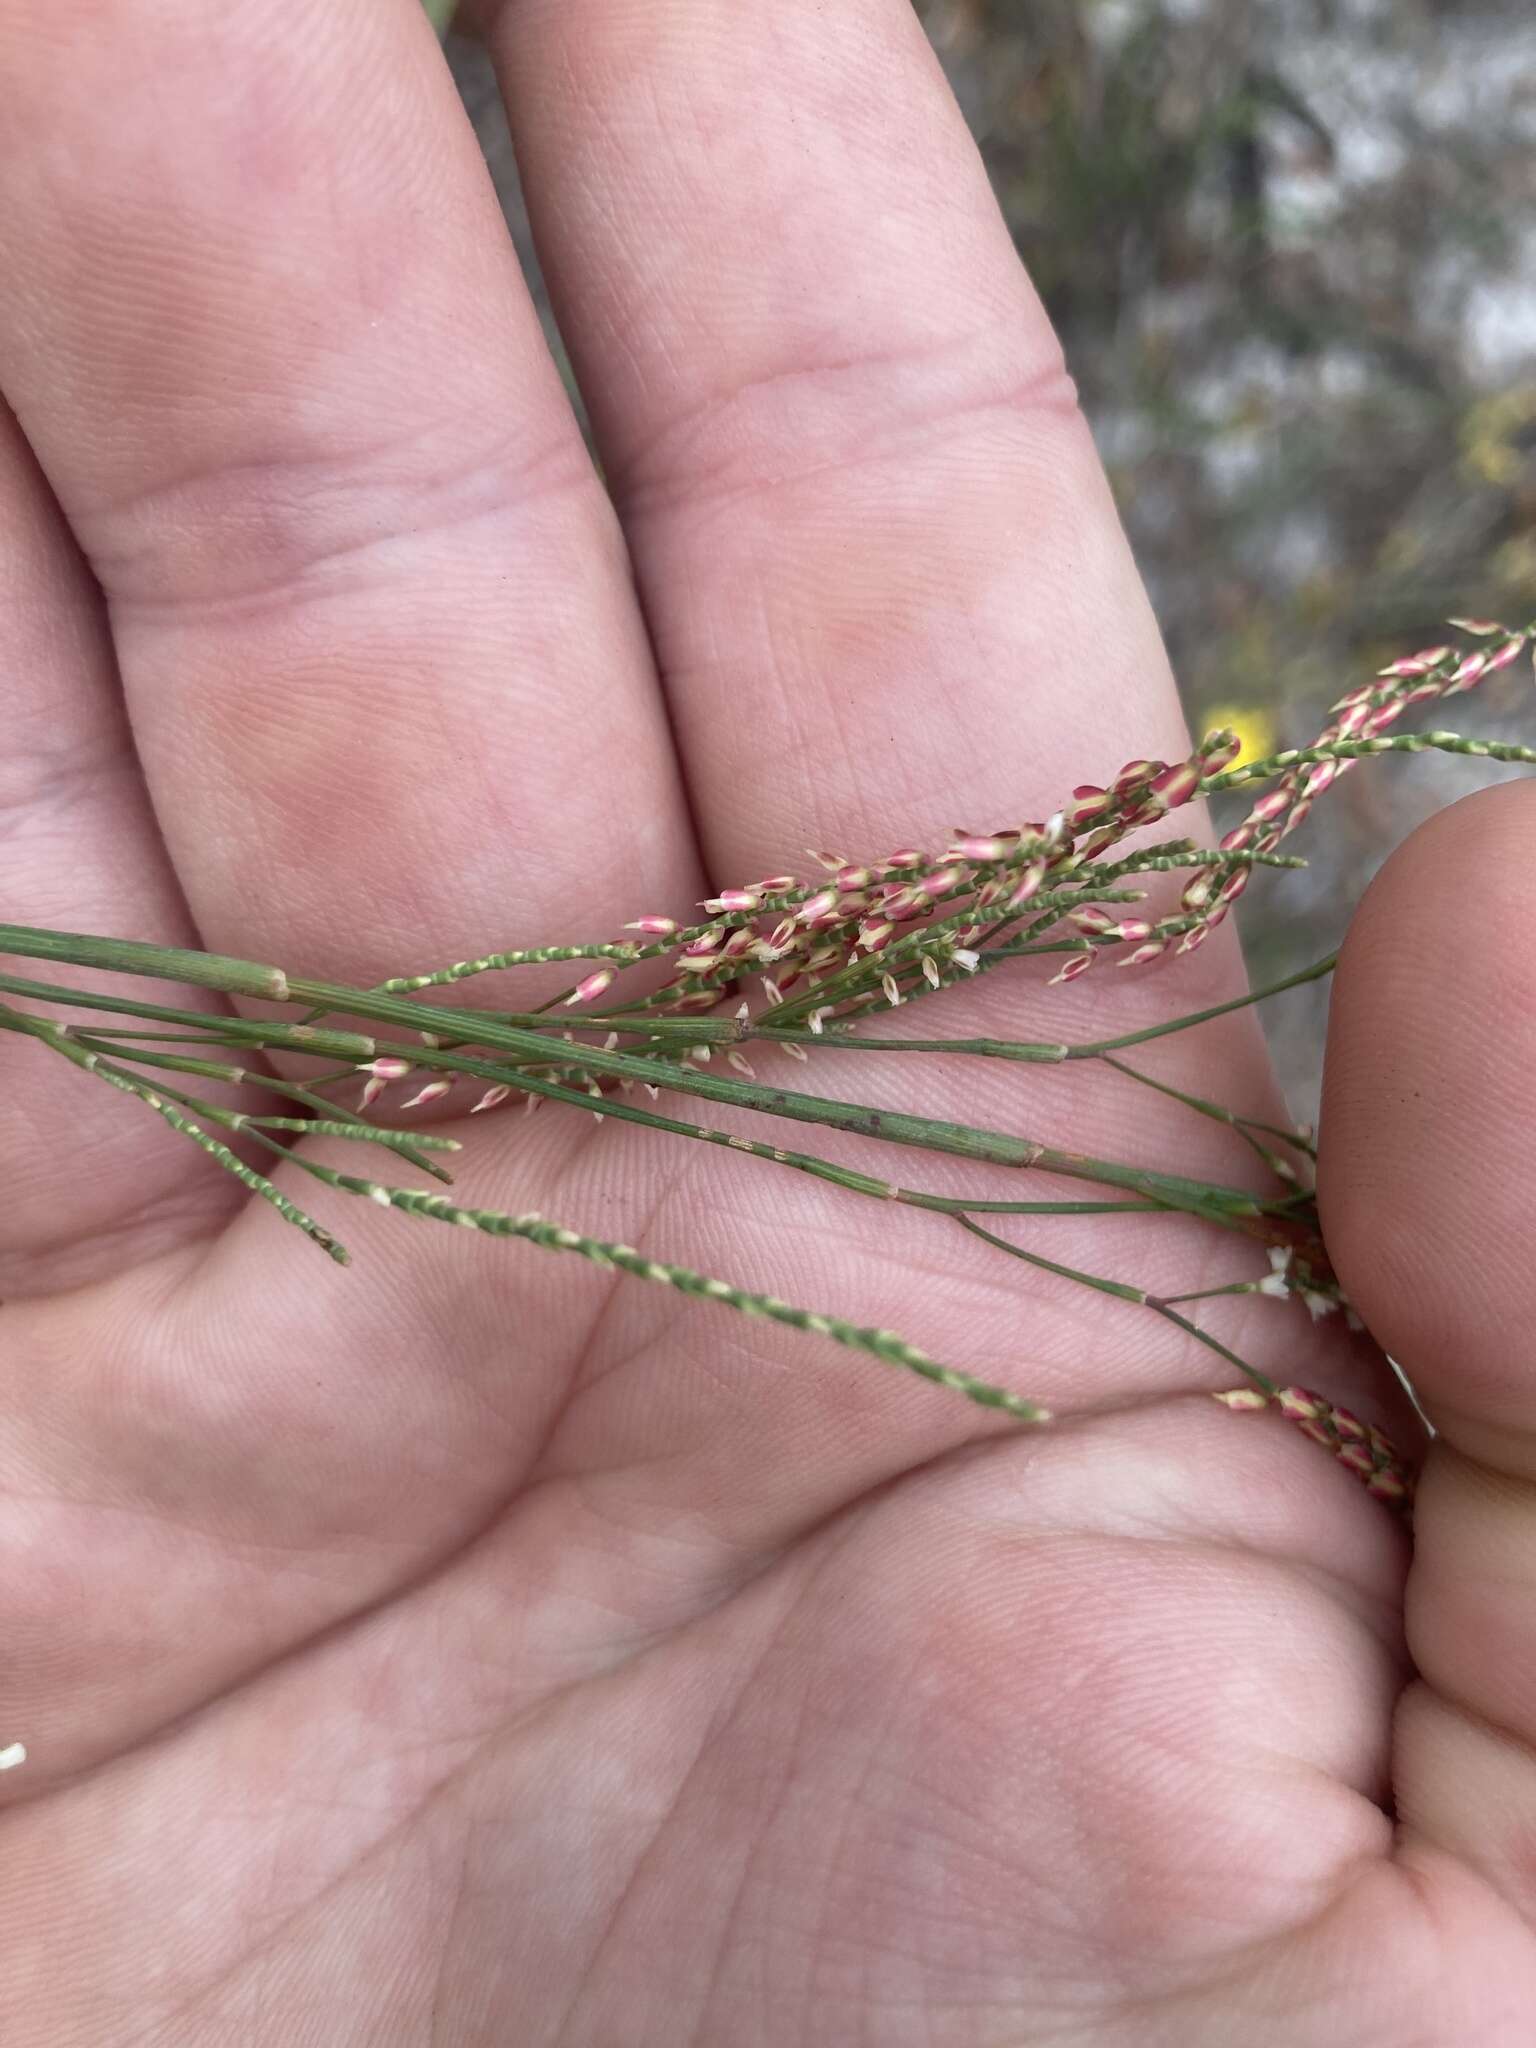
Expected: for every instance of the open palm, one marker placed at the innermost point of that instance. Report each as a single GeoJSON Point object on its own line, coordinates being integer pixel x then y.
{"type": "Point", "coordinates": [461, 1650]}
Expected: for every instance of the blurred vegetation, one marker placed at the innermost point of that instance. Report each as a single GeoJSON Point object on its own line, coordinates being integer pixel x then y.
{"type": "Point", "coordinates": [1290, 248]}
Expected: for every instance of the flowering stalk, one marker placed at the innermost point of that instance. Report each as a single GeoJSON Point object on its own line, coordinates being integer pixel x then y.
{"type": "Point", "coordinates": [803, 964]}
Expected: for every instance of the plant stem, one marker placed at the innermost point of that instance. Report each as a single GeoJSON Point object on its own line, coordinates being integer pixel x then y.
{"type": "Point", "coordinates": [926, 1133]}
{"type": "Point", "coordinates": [877, 1343]}
{"type": "Point", "coordinates": [80, 1056]}
{"type": "Point", "coordinates": [1138, 1295]}
{"type": "Point", "coordinates": [1354, 750]}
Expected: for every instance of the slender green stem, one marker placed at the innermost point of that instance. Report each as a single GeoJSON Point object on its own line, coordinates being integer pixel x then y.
{"type": "Point", "coordinates": [926, 1133]}
{"type": "Point", "coordinates": [1354, 750]}
{"type": "Point", "coordinates": [1212, 1293]}
{"type": "Point", "coordinates": [80, 1056]}
{"type": "Point", "coordinates": [160, 963]}
{"type": "Point", "coordinates": [1100, 1046]}
{"type": "Point", "coordinates": [1246, 1128]}
{"type": "Point", "coordinates": [347, 1045]}
{"type": "Point", "coordinates": [885, 1345]}
{"type": "Point", "coordinates": [845, 1177]}
{"type": "Point", "coordinates": [1138, 1295]}
{"type": "Point", "coordinates": [409, 1146]}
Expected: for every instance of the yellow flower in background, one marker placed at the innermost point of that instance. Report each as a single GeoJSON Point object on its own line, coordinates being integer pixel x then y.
{"type": "Point", "coordinates": [1254, 727]}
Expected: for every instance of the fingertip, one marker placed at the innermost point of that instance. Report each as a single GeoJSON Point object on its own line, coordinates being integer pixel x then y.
{"type": "Point", "coordinates": [1427, 1170]}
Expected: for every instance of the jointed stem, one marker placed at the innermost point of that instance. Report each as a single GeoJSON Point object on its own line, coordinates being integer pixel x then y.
{"type": "Point", "coordinates": [1139, 1295]}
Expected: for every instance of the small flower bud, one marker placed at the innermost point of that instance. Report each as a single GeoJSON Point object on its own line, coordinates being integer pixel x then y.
{"type": "Point", "coordinates": [1273, 804]}
{"type": "Point", "coordinates": [980, 846]}
{"type": "Point", "coordinates": [1176, 785]}
{"type": "Point", "coordinates": [1089, 805]}
{"type": "Point", "coordinates": [387, 1068]}
{"type": "Point", "coordinates": [1219, 750]}
{"type": "Point", "coordinates": [1027, 884]}
{"type": "Point", "coordinates": [591, 986]}
{"type": "Point", "coordinates": [433, 1092]}
{"type": "Point", "coordinates": [822, 904]}
{"type": "Point", "coordinates": [1503, 656]}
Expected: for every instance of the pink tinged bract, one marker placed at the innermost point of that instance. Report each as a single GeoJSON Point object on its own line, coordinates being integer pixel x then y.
{"type": "Point", "coordinates": [1176, 785]}
{"type": "Point", "coordinates": [1297, 818]}
{"type": "Point", "coordinates": [980, 846]}
{"type": "Point", "coordinates": [1503, 656]}
{"type": "Point", "coordinates": [1273, 804]}
{"type": "Point", "coordinates": [1219, 750]}
{"type": "Point", "coordinates": [591, 986]}
{"type": "Point", "coordinates": [433, 1092]}
{"type": "Point", "coordinates": [1028, 883]}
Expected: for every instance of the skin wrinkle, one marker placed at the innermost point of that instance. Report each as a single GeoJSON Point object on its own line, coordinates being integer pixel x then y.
{"type": "Point", "coordinates": [315, 538]}
{"type": "Point", "coordinates": [841, 1531]}
{"type": "Point", "coordinates": [665, 471]}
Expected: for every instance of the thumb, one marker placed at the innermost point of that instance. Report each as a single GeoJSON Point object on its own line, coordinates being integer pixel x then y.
{"type": "Point", "coordinates": [1427, 1181]}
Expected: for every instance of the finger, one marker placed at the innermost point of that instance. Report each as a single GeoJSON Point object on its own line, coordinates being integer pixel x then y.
{"type": "Point", "coordinates": [265, 331]}
{"type": "Point", "coordinates": [886, 583]}
{"type": "Point", "coordinates": [88, 1189]}
{"type": "Point", "coordinates": [1428, 1183]}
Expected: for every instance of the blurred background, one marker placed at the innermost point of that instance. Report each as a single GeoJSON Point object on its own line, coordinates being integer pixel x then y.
{"type": "Point", "coordinates": [1290, 248]}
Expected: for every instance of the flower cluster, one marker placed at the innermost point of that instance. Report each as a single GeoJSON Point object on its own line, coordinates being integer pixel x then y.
{"type": "Point", "coordinates": [865, 935]}
{"type": "Point", "coordinates": [1364, 713]}
{"type": "Point", "coordinates": [1359, 1446]}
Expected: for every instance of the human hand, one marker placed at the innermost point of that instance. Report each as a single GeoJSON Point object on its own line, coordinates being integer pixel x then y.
{"type": "Point", "coordinates": [462, 1651]}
